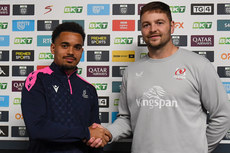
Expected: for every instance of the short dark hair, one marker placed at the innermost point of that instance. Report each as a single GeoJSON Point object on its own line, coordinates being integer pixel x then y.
{"type": "Point", "coordinates": [157, 6]}
{"type": "Point", "coordinates": [68, 27]}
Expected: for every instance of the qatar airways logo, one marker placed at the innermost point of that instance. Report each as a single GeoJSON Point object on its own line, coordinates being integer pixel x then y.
{"type": "Point", "coordinates": [180, 73]}
{"type": "Point", "coordinates": [155, 98]}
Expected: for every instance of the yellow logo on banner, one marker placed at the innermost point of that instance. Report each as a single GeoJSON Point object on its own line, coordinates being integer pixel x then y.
{"type": "Point", "coordinates": [123, 56]}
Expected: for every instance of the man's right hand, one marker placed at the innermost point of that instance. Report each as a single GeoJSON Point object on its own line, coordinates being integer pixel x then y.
{"type": "Point", "coordinates": [99, 136]}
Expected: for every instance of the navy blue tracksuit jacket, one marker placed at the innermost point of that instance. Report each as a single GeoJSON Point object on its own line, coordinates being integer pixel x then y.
{"type": "Point", "coordinates": [57, 110]}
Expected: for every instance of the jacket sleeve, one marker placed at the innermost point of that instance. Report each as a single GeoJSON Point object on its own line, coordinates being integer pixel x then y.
{"type": "Point", "coordinates": [95, 119]}
{"type": "Point", "coordinates": [215, 101]}
{"type": "Point", "coordinates": [34, 112]}
{"type": "Point", "coordinates": [121, 128]}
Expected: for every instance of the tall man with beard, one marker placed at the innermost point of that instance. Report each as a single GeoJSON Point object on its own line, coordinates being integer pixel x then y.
{"type": "Point", "coordinates": [166, 96]}
{"type": "Point", "coordinates": [58, 105]}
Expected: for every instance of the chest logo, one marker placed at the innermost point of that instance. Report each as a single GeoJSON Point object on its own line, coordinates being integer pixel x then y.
{"type": "Point", "coordinates": [140, 74]}
{"type": "Point", "coordinates": [180, 73]}
{"type": "Point", "coordinates": [55, 88]}
{"type": "Point", "coordinates": [84, 94]}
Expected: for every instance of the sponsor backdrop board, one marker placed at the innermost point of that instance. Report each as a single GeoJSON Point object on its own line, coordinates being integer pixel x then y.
{"type": "Point", "coordinates": [113, 41]}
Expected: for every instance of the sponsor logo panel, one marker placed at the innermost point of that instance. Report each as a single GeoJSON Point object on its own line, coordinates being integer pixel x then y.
{"type": "Point", "coordinates": [19, 131]}
{"type": "Point", "coordinates": [224, 40]}
{"type": "Point", "coordinates": [3, 25]}
{"type": "Point", "coordinates": [4, 101]}
{"type": "Point", "coordinates": [4, 55]}
{"type": "Point", "coordinates": [97, 71]}
{"type": "Point", "coordinates": [100, 86]}
{"type": "Point", "coordinates": [123, 25]}
{"type": "Point", "coordinates": [114, 116]}
{"type": "Point", "coordinates": [4, 131]}
{"type": "Point", "coordinates": [202, 40]}
{"type": "Point", "coordinates": [4, 10]}
{"type": "Point", "coordinates": [73, 9]}
{"type": "Point", "coordinates": [207, 54]}
{"type": "Point", "coordinates": [202, 25]}
{"type": "Point", "coordinates": [103, 102]}
{"type": "Point", "coordinates": [4, 71]}
{"type": "Point", "coordinates": [22, 55]}
{"type": "Point", "coordinates": [223, 71]}
{"type": "Point", "coordinates": [3, 85]}
{"type": "Point", "coordinates": [17, 86]}
{"type": "Point", "coordinates": [104, 117]}
{"type": "Point", "coordinates": [118, 71]}
{"type": "Point", "coordinates": [98, 40]}
{"type": "Point", "coordinates": [47, 25]}
{"type": "Point", "coordinates": [45, 56]}
{"type": "Point", "coordinates": [17, 101]}
{"type": "Point", "coordinates": [98, 25]}
{"type": "Point", "coordinates": [24, 9]}
{"type": "Point", "coordinates": [223, 25]}
{"type": "Point", "coordinates": [4, 40]}
{"type": "Point", "coordinates": [223, 9]}
{"type": "Point", "coordinates": [227, 86]}
{"type": "Point", "coordinates": [23, 25]}
{"type": "Point", "coordinates": [123, 40]}
{"type": "Point", "coordinates": [116, 86]}
{"type": "Point", "coordinates": [23, 40]}
{"type": "Point", "coordinates": [123, 9]}
{"type": "Point", "coordinates": [141, 41]}
{"type": "Point", "coordinates": [179, 40]}
{"type": "Point", "coordinates": [177, 9]}
{"type": "Point", "coordinates": [98, 9]}
{"type": "Point", "coordinates": [22, 70]}
{"type": "Point", "coordinates": [202, 9]}
{"type": "Point", "coordinates": [44, 40]}
{"type": "Point", "coordinates": [4, 116]}
{"type": "Point", "coordinates": [123, 56]}
{"type": "Point", "coordinates": [98, 56]}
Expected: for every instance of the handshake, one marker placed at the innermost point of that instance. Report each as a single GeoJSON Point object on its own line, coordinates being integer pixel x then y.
{"type": "Point", "coordinates": [99, 136]}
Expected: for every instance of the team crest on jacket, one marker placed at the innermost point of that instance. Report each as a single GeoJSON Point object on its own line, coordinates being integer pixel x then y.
{"type": "Point", "coordinates": [180, 73]}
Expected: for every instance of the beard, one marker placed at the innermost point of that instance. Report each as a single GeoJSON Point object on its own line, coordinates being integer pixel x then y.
{"type": "Point", "coordinates": [67, 67]}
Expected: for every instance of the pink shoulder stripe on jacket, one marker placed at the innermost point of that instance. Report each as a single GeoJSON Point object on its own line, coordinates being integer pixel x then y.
{"type": "Point", "coordinates": [32, 77]}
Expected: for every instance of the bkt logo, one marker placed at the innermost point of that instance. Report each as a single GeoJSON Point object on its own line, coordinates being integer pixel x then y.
{"type": "Point", "coordinates": [44, 40]}
{"type": "Point", "coordinates": [223, 25]}
{"type": "Point", "coordinates": [3, 86]}
{"type": "Point", "coordinates": [179, 25]}
{"type": "Point", "coordinates": [202, 9]}
{"type": "Point", "coordinates": [23, 40]}
{"type": "Point", "coordinates": [23, 25]}
{"type": "Point", "coordinates": [177, 9]}
{"type": "Point", "coordinates": [224, 40]}
{"type": "Point", "coordinates": [225, 56]}
{"type": "Point", "coordinates": [73, 9]}
{"type": "Point", "coordinates": [202, 25]}
{"type": "Point", "coordinates": [79, 71]}
{"type": "Point", "coordinates": [3, 25]}
{"type": "Point", "coordinates": [98, 9]}
{"type": "Point", "coordinates": [98, 25]}
{"type": "Point", "coordinates": [100, 86]}
{"type": "Point", "coordinates": [46, 56]}
{"type": "Point", "coordinates": [123, 40]}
